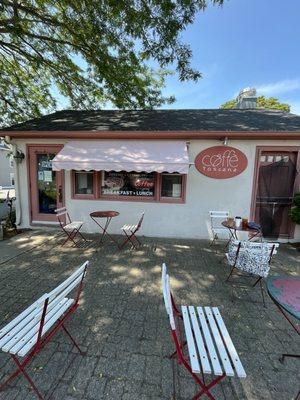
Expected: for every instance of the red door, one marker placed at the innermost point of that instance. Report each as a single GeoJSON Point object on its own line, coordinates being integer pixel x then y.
{"type": "Point", "coordinates": [275, 190]}
{"type": "Point", "coordinates": [46, 186]}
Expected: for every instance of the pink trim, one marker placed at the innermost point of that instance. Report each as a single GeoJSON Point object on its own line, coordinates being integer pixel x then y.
{"type": "Point", "coordinates": [145, 135]}
{"type": "Point", "coordinates": [31, 149]}
{"type": "Point", "coordinates": [259, 150]}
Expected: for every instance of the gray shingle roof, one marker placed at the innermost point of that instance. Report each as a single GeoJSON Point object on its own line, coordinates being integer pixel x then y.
{"type": "Point", "coordinates": [163, 120]}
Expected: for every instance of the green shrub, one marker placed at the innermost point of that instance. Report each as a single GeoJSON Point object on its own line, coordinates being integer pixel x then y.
{"type": "Point", "coordinates": [295, 211]}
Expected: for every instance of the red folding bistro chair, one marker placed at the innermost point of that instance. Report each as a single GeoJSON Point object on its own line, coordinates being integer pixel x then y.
{"type": "Point", "coordinates": [31, 330]}
{"type": "Point", "coordinates": [69, 227]}
{"type": "Point", "coordinates": [130, 233]}
{"type": "Point", "coordinates": [210, 348]}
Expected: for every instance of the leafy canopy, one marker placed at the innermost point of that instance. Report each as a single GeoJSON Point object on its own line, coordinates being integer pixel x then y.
{"type": "Point", "coordinates": [91, 52]}
{"type": "Point", "coordinates": [262, 102]}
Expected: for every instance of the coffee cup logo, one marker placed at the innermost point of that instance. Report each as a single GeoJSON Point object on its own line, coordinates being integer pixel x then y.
{"type": "Point", "coordinates": [221, 162]}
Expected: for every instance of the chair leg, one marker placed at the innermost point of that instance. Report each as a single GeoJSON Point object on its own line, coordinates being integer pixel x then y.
{"type": "Point", "coordinates": [262, 292]}
{"type": "Point", "coordinates": [231, 272]}
{"type": "Point", "coordinates": [213, 240]}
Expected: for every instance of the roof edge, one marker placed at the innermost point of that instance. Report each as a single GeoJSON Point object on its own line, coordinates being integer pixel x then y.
{"type": "Point", "coordinates": [243, 135]}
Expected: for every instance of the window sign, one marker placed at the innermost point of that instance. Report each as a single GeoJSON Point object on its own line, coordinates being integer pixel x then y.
{"type": "Point", "coordinates": [128, 184]}
{"type": "Point", "coordinates": [48, 176]}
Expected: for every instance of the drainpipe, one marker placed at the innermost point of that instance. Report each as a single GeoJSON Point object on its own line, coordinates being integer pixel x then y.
{"type": "Point", "coordinates": [17, 182]}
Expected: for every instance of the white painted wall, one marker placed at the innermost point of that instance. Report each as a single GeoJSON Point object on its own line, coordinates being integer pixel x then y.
{"type": "Point", "coordinates": [189, 220]}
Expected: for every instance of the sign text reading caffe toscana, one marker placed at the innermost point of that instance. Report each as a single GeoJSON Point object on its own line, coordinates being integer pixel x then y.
{"type": "Point", "coordinates": [221, 162]}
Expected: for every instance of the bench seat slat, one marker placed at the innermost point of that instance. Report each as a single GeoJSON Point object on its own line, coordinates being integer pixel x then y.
{"type": "Point", "coordinates": [200, 343]}
{"type": "Point", "coordinates": [229, 344]}
{"type": "Point", "coordinates": [21, 316]}
{"type": "Point", "coordinates": [209, 343]}
{"type": "Point", "coordinates": [28, 331]}
{"type": "Point", "coordinates": [24, 350]}
{"type": "Point", "coordinates": [219, 342]}
{"type": "Point", "coordinates": [190, 341]}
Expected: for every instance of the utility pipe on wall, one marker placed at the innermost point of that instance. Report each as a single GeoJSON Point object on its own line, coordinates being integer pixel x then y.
{"type": "Point", "coordinates": [17, 182]}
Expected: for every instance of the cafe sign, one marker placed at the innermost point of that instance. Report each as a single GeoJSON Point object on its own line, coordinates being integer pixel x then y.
{"type": "Point", "coordinates": [221, 162]}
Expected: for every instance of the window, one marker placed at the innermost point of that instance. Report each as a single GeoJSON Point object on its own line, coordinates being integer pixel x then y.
{"type": "Point", "coordinates": [133, 184]}
{"type": "Point", "coordinates": [171, 186]}
{"type": "Point", "coordinates": [129, 186]}
{"type": "Point", "coordinates": [83, 183]}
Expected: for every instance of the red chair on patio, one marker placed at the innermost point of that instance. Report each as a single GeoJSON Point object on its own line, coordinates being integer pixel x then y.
{"type": "Point", "coordinates": [210, 348]}
{"type": "Point", "coordinates": [69, 227]}
{"type": "Point", "coordinates": [130, 233]}
{"type": "Point", "coordinates": [30, 331]}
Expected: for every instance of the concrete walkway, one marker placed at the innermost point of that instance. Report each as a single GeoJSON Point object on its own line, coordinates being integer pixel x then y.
{"type": "Point", "coordinates": [123, 327]}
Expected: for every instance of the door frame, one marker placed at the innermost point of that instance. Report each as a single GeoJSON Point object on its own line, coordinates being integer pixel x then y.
{"type": "Point", "coordinates": [29, 166]}
{"type": "Point", "coordinates": [259, 150]}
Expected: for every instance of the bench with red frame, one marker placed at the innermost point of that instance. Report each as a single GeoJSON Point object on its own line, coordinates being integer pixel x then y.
{"type": "Point", "coordinates": [27, 334]}
{"type": "Point", "coordinates": [210, 348]}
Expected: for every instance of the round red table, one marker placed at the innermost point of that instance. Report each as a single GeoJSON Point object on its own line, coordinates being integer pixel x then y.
{"type": "Point", "coordinates": [285, 293]}
{"type": "Point", "coordinates": [108, 215]}
{"type": "Point", "coordinates": [233, 229]}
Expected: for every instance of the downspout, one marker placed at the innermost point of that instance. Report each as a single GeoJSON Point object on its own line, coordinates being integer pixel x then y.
{"type": "Point", "coordinates": [17, 182]}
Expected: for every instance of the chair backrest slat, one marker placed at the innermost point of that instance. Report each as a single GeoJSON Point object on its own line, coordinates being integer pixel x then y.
{"type": "Point", "coordinates": [69, 284]}
{"type": "Point", "coordinates": [141, 220]}
{"type": "Point", "coordinates": [61, 211]}
{"type": "Point", "coordinates": [167, 296]}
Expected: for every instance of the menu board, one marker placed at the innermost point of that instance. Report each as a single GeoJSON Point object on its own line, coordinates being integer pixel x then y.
{"type": "Point", "coordinates": [128, 184]}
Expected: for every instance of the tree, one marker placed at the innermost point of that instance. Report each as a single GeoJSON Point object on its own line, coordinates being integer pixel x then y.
{"type": "Point", "coordinates": [91, 52]}
{"type": "Point", "coordinates": [262, 102]}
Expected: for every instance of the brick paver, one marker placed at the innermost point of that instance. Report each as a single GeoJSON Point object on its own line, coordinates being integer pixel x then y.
{"type": "Point", "coordinates": [123, 327]}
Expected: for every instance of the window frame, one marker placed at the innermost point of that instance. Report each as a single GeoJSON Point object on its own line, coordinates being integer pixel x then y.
{"type": "Point", "coordinates": [83, 196]}
{"type": "Point", "coordinates": [157, 198]}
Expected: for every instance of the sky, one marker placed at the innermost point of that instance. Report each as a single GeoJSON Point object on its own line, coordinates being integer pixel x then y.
{"type": "Point", "coordinates": [244, 43]}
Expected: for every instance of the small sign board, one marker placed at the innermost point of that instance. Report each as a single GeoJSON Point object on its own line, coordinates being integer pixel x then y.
{"type": "Point", "coordinates": [221, 162]}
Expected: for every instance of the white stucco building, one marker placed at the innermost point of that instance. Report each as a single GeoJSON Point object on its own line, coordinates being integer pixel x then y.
{"type": "Point", "coordinates": [176, 165]}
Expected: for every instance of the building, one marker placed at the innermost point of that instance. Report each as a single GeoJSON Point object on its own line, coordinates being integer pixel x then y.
{"type": "Point", "coordinates": [6, 166]}
{"type": "Point", "coordinates": [176, 165]}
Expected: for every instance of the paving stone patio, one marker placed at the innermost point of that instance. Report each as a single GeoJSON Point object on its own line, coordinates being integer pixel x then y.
{"type": "Point", "coordinates": [123, 327]}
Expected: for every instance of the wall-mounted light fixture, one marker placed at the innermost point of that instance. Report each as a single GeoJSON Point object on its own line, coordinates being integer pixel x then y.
{"type": "Point", "coordinates": [19, 156]}
{"type": "Point", "coordinates": [225, 141]}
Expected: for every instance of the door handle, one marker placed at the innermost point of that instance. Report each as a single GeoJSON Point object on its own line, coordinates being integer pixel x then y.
{"type": "Point", "coordinates": [60, 194]}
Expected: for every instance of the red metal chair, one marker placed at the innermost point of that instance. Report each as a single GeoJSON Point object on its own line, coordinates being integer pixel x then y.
{"type": "Point", "coordinates": [31, 330]}
{"type": "Point", "coordinates": [69, 227]}
{"type": "Point", "coordinates": [130, 233]}
{"type": "Point", "coordinates": [251, 259]}
{"type": "Point", "coordinates": [210, 348]}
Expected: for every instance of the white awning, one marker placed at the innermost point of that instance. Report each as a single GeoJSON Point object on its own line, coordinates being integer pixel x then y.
{"type": "Point", "coordinates": [121, 155]}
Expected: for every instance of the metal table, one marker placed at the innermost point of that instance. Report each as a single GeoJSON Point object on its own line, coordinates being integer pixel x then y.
{"type": "Point", "coordinates": [108, 215]}
{"type": "Point", "coordinates": [233, 229]}
{"type": "Point", "coordinates": [285, 293]}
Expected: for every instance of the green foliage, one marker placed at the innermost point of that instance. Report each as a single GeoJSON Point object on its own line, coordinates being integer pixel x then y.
{"type": "Point", "coordinates": [91, 52]}
{"type": "Point", "coordinates": [295, 211]}
{"type": "Point", "coordinates": [262, 102]}
{"type": "Point", "coordinates": [229, 104]}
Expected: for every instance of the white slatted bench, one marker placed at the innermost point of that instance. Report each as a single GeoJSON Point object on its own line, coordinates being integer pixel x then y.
{"type": "Point", "coordinates": [210, 348]}
{"type": "Point", "coordinates": [69, 227]}
{"type": "Point", "coordinates": [28, 333]}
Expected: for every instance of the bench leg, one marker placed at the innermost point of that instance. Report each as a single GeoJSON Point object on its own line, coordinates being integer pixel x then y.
{"type": "Point", "coordinates": [21, 370]}
{"type": "Point", "coordinates": [72, 340]}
